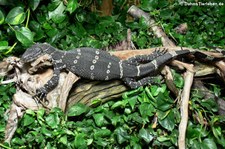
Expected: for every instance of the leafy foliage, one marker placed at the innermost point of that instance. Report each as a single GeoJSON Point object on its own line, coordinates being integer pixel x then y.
{"type": "Point", "coordinates": [141, 118]}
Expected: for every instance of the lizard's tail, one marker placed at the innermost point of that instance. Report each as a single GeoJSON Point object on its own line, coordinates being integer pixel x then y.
{"type": "Point", "coordinates": [152, 67]}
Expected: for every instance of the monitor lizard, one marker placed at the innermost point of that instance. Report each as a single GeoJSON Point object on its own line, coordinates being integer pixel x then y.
{"type": "Point", "coordinates": [96, 64]}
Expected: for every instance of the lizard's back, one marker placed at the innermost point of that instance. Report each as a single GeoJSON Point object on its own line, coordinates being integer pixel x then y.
{"type": "Point", "coordinates": [93, 64]}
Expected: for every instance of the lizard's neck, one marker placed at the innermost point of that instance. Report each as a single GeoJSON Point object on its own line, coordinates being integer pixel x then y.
{"type": "Point", "coordinates": [50, 50]}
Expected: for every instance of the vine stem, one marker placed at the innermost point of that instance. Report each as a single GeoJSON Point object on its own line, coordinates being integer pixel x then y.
{"type": "Point", "coordinates": [5, 146]}
{"type": "Point", "coordinates": [28, 17]}
{"type": "Point", "coordinates": [10, 49]}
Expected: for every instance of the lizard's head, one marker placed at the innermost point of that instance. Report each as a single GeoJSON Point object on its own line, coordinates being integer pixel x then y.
{"type": "Point", "coordinates": [34, 52]}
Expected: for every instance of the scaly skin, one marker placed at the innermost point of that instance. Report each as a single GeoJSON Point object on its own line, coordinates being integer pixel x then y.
{"type": "Point", "coordinates": [96, 64]}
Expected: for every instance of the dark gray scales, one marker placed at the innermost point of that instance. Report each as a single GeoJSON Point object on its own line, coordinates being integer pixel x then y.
{"type": "Point", "coordinates": [96, 64]}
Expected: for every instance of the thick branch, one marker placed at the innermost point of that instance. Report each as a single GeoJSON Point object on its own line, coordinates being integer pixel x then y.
{"type": "Point", "coordinates": [189, 75]}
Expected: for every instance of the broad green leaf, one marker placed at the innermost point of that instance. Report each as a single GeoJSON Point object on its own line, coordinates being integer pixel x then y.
{"type": "Point", "coordinates": [46, 132]}
{"type": "Point", "coordinates": [53, 120]}
{"type": "Point", "coordinates": [15, 16]}
{"type": "Point", "coordinates": [217, 132]}
{"type": "Point", "coordinates": [80, 141]}
{"type": "Point", "coordinates": [178, 80]}
{"type": "Point", "coordinates": [144, 134]}
{"type": "Point", "coordinates": [146, 109]}
{"type": "Point", "coordinates": [101, 142]}
{"type": "Point", "coordinates": [34, 4]}
{"type": "Point", "coordinates": [27, 120]}
{"type": "Point", "coordinates": [25, 36]}
{"type": "Point", "coordinates": [2, 128]}
{"type": "Point", "coordinates": [155, 90]}
{"type": "Point", "coordinates": [149, 5]}
{"type": "Point", "coordinates": [135, 142]}
{"type": "Point", "coordinates": [116, 119]}
{"type": "Point", "coordinates": [39, 138]}
{"type": "Point", "coordinates": [99, 119]}
{"type": "Point", "coordinates": [77, 109]}
{"type": "Point", "coordinates": [120, 104]}
{"type": "Point", "coordinates": [4, 45]}
{"type": "Point", "coordinates": [127, 110]}
{"type": "Point", "coordinates": [209, 104]}
{"type": "Point", "coordinates": [40, 113]}
{"type": "Point", "coordinates": [164, 102]}
{"type": "Point", "coordinates": [194, 131]}
{"type": "Point", "coordinates": [209, 143]}
{"type": "Point", "coordinates": [63, 140]}
{"type": "Point", "coordinates": [2, 17]}
{"type": "Point", "coordinates": [18, 141]}
{"type": "Point", "coordinates": [102, 133]}
{"type": "Point", "coordinates": [132, 101]}
{"type": "Point", "coordinates": [30, 112]}
{"type": "Point", "coordinates": [168, 122]}
{"type": "Point", "coordinates": [121, 135]}
{"type": "Point", "coordinates": [58, 15]}
{"type": "Point", "coordinates": [72, 5]}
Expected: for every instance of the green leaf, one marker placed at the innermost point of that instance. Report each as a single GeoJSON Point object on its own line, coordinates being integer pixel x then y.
{"type": "Point", "coordinates": [2, 128]}
{"type": "Point", "coordinates": [30, 112]}
{"type": "Point", "coordinates": [209, 143]}
{"type": "Point", "coordinates": [145, 135]}
{"type": "Point", "coordinates": [178, 80]}
{"type": "Point", "coordinates": [168, 122]}
{"type": "Point", "coordinates": [146, 109]}
{"type": "Point", "coordinates": [25, 36]}
{"type": "Point", "coordinates": [58, 15]}
{"type": "Point", "coordinates": [164, 102]}
{"type": "Point", "coordinates": [33, 4]}
{"type": "Point", "coordinates": [46, 132]}
{"type": "Point", "coordinates": [2, 17]}
{"type": "Point", "coordinates": [72, 6]}
{"type": "Point", "coordinates": [132, 101]}
{"type": "Point", "coordinates": [121, 135]}
{"type": "Point", "coordinates": [80, 141]}
{"type": "Point", "coordinates": [155, 90]}
{"type": "Point", "coordinates": [77, 109]}
{"type": "Point", "coordinates": [121, 104]}
{"type": "Point", "coordinates": [15, 16]}
{"type": "Point", "coordinates": [63, 140]}
{"type": "Point", "coordinates": [99, 119]}
{"type": "Point", "coordinates": [28, 120]}
{"type": "Point", "coordinates": [149, 5]}
{"type": "Point", "coordinates": [209, 104]}
{"type": "Point", "coordinates": [102, 133]}
{"type": "Point", "coordinates": [18, 141]}
{"type": "Point", "coordinates": [40, 114]}
{"type": "Point", "coordinates": [4, 45]}
{"type": "Point", "coordinates": [53, 120]}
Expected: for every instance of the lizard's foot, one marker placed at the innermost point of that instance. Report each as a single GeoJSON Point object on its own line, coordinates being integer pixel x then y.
{"type": "Point", "coordinates": [40, 94]}
{"type": "Point", "coordinates": [159, 52]}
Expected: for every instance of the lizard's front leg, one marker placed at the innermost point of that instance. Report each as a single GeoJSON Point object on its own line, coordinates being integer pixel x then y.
{"type": "Point", "coordinates": [50, 85]}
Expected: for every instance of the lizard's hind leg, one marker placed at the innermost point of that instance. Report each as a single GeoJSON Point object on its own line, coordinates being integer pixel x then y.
{"type": "Point", "coordinates": [139, 59]}
{"type": "Point", "coordinates": [133, 83]}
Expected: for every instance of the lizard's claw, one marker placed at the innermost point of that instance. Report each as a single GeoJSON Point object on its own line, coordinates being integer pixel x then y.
{"type": "Point", "coordinates": [40, 94]}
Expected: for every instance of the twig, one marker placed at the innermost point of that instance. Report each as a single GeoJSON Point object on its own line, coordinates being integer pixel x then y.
{"type": "Point", "coordinates": [138, 13]}
{"type": "Point", "coordinates": [188, 78]}
{"type": "Point", "coordinates": [169, 80]}
{"type": "Point", "coordinates": [8, 81]}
